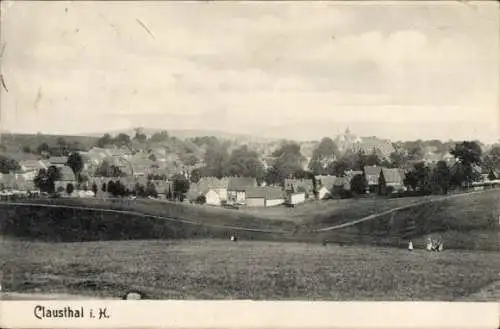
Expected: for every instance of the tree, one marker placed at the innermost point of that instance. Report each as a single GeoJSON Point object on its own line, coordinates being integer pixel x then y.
{"type": "Point", "coordinates": [416, 153]}
{"type": "Point", "coordinates": [382, 184]}
{"type": "Point", "coordinates": [243, 162]}
{"type": "Point", "coordinates": [140, 137]}
{"type": "Point", "coordinates": [69, 188]}
{"type": "Point", "coordinates": [111, 188]}
{"type": "Point", "coordinates": [189, 159]}
{"type": "Point", "coordinates": [8, 165]}
{"type": "Point", "coordinates": [45, 179]}
{"type": "Point", "coordinates": [411, 180]}
{"type": "Point", "coordinates": [441, 177]}
{"type": "Point", "coordinates": [419, 179]}
{"type": "Point", "coordinates": [104, 188]}
{"type": "Point", "coordinates": [105, 169]}
{"type": "Point", "coordinates": [140, 190]}
{"type": "Point", "coordinates": [26, 149]}
{"type": "Point", "coordinates": [289, 161]}
{"type": "Point", "coordinates": [338, 167]}
{"type": "Point", "coordinates": [105, 140]}
{"type": "Point", "coordinates": [159, 137]}
{"type": "Point", "coordinates": [372, 159]}
{"type": "Point", "coordinates": [201, 199]}
{"type": "Point", "coordinates": [43, 148]}
{"type": "Point", "coordinates": [216, 158]}
{"type": "Point", "coordinates": [492, 158]}
{"type": "Point", "coordinates": [75, 162]}
{"type": "Point", "coordinates": [94, 189]}
{"type": "Point", "coordinates": [325, 153]}
{"type": "Point", "coordinates": [468, 154]}
{"type": "Point", "coordinates": [151, 189]}
{"type": "Point", "coordinates": [195, 175]}
{"type": "Point", "coordinates": [181, 187]}
{"type": "Point", "coordinates": [122, 140]}
{"type": "Point", "coordinates": [491, 175]}
{"type": "Point", "coordinates": [359, 184]}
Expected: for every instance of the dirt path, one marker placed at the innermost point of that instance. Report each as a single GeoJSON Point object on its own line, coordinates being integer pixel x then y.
{"type": "Point", "coordinates": [390, 211]}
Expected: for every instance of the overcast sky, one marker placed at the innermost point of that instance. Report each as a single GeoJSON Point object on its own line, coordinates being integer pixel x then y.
{"type": "Point", "coordinates": [298, 70]}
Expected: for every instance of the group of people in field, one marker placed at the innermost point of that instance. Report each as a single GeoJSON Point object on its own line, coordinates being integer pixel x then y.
{"type": "Point", "coordinates": [432, 244]}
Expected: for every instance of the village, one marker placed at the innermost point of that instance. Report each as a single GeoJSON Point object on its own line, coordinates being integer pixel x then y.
{"type": "Point", "coordinates": [113, 171]}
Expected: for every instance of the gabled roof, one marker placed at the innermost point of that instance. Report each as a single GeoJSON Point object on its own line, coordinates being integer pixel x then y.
{"type": "Point", "coordinates": [213, 182]}
{"type": "Point", "coordinates": [241, 183]}
{"type": "Point", "coordinates": [66, 174]}
{"type": "Point", "coordinates": [326, 181]}
{"type": "Point", "coordinates": [265, 192]}
{"type": "Point", "coordinates": [30, 165]}
{"type": "Point", "coordinates": [372, 170]}
{"type": "Point", "coordinates": [306, 184]}
{"type": "Point", "coordinates": [393, 175]}
{"type": "Point", "coordinates": [58, 160]}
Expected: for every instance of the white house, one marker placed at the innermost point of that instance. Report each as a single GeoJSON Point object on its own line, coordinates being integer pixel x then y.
{"type": "Point", "coordinates": [237, 188]}
{"type": "Point", "coordinates": [264, 196]}
{"type": "Point", "coordinates": [296, 198]}
{"type": "Point", "coordinates": [324, 193]}
{"type": "Point", "coordinates": [212, 198]}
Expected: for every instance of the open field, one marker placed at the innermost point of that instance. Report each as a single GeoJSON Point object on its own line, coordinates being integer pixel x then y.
{"type": "Point", "coordinates": [331, 212]}
{"type": "Point", "coordinates": [467, 221]}
{"type": "Point", "coordinates": [215, 269]}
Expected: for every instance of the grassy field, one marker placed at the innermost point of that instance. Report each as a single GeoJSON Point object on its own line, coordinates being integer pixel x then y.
{"type": "Point", "coordinates": [331, 212]}
{"type": "Point", "coordinates": [221, 269]}
{"type": "Point", "coordinates": [466, 222]}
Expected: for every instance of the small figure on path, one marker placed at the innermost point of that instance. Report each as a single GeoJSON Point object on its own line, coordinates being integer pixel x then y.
{"type": "Point", "coordinates": [429, 246]}
{"type": "Point", "coordinates": [410, 245]}
{"type": "Point", "coordinates": [440, 246]}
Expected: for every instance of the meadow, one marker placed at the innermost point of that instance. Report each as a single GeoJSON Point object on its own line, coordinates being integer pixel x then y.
{"type": "Point", "coordinates": [221, 269]}
{"type": "Point", "coordinates": [64, 250]}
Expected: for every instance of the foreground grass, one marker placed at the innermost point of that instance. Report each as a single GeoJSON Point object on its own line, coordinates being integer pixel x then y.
{"type": "Point", "coordinates": [215, 269]}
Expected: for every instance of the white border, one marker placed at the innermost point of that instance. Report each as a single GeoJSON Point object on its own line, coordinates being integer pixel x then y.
{"type": "Point", "coordinates": [257, 314]}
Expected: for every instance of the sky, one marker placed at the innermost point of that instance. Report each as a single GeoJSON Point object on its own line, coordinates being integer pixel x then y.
{"type": "Point", "coordinates": [303, 70]}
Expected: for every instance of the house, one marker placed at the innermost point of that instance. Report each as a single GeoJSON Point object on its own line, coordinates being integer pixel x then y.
{"type": "Point", "coordinates": [67, 177]}
{"type": "Point", "coordinates": [58, 161]}
{"type": "Point", "coordinates": [392, 180]}
{"type": "Point", "coordinates": [344, 183]}
{"type": "Point", "coordinates": [324, 193]}
{"type": "Point", "coordinates": [211, 196]}
{"type": "Point", "coordinates": [372, 174]}
{"type": "Point", "coordinates": [220, 186]}
{"type": "Point", "coordinates": [237, 186]}
{"type": "Point", "coordinates": [32, 165]}
{"type": "Point", "coordinates": [300, 185]}
{"type": "Point", "coordinates": [295, 198]}
{"type": "Point", "coordinates": [258, 196]}
{"type": "Point", "coordinates": [325, 185]}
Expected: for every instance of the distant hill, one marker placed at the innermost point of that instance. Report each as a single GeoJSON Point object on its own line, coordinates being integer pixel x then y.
{"type": "Point", "coordinates": [189, 133]}
{"type": "Point", "coordinates": [33, 140]}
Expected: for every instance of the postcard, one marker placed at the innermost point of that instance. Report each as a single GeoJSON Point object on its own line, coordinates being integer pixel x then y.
{"type": "Point", "coordinates": [249, 164]}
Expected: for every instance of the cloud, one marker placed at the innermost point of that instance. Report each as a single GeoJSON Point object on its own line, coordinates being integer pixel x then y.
{"type": "Point", "coordinates": [252, 64]}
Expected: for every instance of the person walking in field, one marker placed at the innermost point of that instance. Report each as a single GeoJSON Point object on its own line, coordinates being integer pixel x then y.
{"type": "Point", "coordinates": [429, 245]}
{"type": "Point", "coordinates": [410, 245]}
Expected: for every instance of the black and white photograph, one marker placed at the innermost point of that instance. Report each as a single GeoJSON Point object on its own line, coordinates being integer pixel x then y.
{"type": "Point", "coordinates": [250, 150]}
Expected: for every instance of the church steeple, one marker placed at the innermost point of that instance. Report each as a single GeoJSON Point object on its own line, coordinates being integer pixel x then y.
{"type": "Point", "coordinates": [347, 131]}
